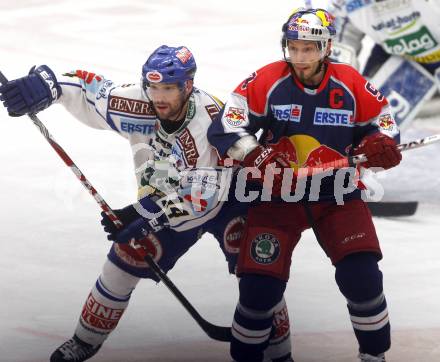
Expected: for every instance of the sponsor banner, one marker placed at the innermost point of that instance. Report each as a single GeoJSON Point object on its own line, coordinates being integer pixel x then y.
{"type": "Point", "coordinates": [412, 44]}
{"type": "Point", "coordinates": [397, 22]}
{"type": "Point", "coordinates": [100, 316]}
{"type": "Point", "coordinates": [406, 85]}
{"type": "Point", "coordinates": [188, 147]}
{"type": "Point", "coordinates": [131, 106]}
{"type": "Point", "coordinates": [287, 112]}
{"type": "Point", "coordinates": [212, 110]}
{"type": "Point", "coordinates": [333, 117]}
{"type": "Point", "coordinates": [132, 126]}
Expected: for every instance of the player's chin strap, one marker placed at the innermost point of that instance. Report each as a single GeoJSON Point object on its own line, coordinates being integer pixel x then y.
{"type": "Point", "coordinates": [215, 332]}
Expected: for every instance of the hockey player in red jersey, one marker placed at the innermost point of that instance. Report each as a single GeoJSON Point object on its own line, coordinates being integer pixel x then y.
{"type": "Point", "coordinates": [311, 111]}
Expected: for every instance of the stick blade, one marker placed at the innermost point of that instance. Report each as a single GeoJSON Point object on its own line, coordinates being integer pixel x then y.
{"type": "Point", "coordinates": [393, 209]}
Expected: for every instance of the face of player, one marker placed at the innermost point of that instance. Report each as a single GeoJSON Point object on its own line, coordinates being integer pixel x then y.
{"type": "Point", "coordinates": [305, 57]}
{"type": "Point", "coordinates": [169, 100]}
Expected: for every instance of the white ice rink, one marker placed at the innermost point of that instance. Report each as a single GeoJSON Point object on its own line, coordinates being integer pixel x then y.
{"type": "Point", "coordinates": [52, 245]}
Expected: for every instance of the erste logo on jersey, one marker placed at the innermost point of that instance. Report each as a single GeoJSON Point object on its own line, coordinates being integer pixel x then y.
{"type": "Point", "coordinates": [235, 116]}
{"type": "Point", "coordinates": [333, 117]}
{"type": "Point", "coordinates": [287, 112]}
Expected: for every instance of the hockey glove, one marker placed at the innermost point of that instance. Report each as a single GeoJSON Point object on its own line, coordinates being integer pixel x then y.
{"type": "Point", "coordinates": [135, 226]}
{"type": "Point", "coordinates": [127, 215]}
{"type": "Point", "coordinates": [381, 151]}
{"type": "Point", "coordinates": [137, 221]}
{"type": "Point", "coordinates": [32, 93]}
{"type": "Point", "coordinates": [266, 160]}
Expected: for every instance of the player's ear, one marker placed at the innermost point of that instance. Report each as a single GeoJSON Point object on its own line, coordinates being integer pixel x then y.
{"type": "Point", "coordinates": [329, 47]}
{"type": "Point", "coordinates": [189, 84]}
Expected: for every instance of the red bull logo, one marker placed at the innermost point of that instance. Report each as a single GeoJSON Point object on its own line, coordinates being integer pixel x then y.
{"type": "Point", "coordinates": [285, 146]}
{"type": "Point", "coordinates": [386, 122]}
{"type": "Point", "coordinates": [235, 116]}
{"type": "Point", "coordinates": [296, 27]}
{"type": "Point", "coordinates": [306, 151]}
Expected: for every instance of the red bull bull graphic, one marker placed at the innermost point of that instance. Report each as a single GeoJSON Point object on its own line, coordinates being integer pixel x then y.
{"type": "Point", "coordinates": [235, 116]}
{"type": "Point", "coordinates": [318, 172]}
{"type": "Point", "coordinates": [386, 122]}
{"type": "Point", "coordinates": [306, 151]}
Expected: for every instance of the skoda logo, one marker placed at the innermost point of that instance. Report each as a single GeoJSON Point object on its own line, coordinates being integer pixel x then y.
{"type": "Point", "coordinates": [265, 249]}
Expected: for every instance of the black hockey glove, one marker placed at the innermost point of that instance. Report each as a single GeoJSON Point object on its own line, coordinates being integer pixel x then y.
{"type": "Point", "coordinates": [135, 225]}
{"type": "Point", "coordinates": [32, 93]}
{"type": "Point", "coordinates": [127, 215]}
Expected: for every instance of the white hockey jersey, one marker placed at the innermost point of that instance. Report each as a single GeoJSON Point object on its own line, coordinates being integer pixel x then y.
{"type": "Point", "coordinates": [179, 171]}
{"type": "Point", "coordinates": [408, 28]}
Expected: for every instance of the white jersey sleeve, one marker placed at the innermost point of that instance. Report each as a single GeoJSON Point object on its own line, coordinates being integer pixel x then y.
{"type": "Point", "coordinates": [99, 103]}
{"type": "Point", "coordinates": [179, 171]}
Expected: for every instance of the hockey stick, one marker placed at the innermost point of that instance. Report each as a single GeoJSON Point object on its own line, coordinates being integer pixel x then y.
{"type": "Point", "coordinates": [382, 208]}
{"type": "Point", "coordinates": [393, 208]}
{"type": "Point", "coordinates": [215, 332]}
{"type": "Point", "coordinates": [352, 161]}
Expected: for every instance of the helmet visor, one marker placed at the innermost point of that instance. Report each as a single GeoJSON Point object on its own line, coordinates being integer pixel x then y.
{"type": "Point", "coordinates": [306, 52]}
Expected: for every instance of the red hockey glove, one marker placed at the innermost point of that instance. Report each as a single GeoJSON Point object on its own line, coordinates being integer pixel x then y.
{"type": "Point", "coordinates": [266, 159]}
{"type": "Point", "coordinates": [381, 151]}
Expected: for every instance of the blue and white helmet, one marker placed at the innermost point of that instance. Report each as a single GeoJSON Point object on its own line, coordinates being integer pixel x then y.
{"type": "Point", "coordinates": [309, 24]}
{"type": "Point", "coordinates": [169, 65]}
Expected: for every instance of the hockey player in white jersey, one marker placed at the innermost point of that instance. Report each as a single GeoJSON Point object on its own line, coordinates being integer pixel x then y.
{"type": "Point", "coordinates": [165, 119]}
{"type": "Point", "coordinates": [404, 63]}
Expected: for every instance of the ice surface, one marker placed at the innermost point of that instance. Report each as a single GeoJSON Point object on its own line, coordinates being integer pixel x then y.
{"type": "Point", "coordinates": [52, 244]}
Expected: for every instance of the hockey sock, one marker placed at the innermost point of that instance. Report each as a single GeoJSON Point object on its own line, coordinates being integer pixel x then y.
{"type": "Point", "coordinates": [280, 344]}
{"type": "Point", "coordinates": [360, 281]}
{"type": "Point", "coordinates": [253, 318]}
{"type": "Point", "coordinates": [105, 304]}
